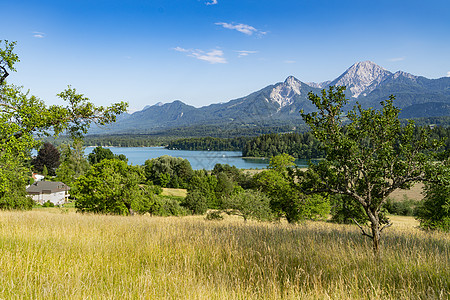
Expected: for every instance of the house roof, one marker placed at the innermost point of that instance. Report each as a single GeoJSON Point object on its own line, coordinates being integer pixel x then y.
{"type": "Point", "coordinates": [51, 186]}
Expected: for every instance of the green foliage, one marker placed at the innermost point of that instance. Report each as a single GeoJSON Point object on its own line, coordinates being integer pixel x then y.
{"type": "Point", "coordinates": [225, 186]}
{"type": "Point", "coordinates": [16, 197]}
{"type": "Point", "coordinates": [100, 153]}
{"type": "Point", "coordinates": [207, 186]}
{"type": "Point", "coordinates": [368, 158]}
{"type": "Point", "coordinates": [237, 176]}
{"type": "Point", "coordinates": [73, 163]}
{"type": "Point", "coordinates": [24, 118]}
{"type": "Point", "coordinates": [298, 145]}
{"type": "Point", "coordinates": [345, 210]}
{"type": "Point", "coordinates": [434, 211]}
{"type": "Point", "coordinates": [208, 144]}
{"type": "Point", "coordinates": [111, 186]}
{"type": "Point", "coordinates": [249, 205]}
{"type": "Point", "coordinates": [214, 216]}
{"type": "Point", "coordinates": [281, 162]}
{"type": "Point", "coordinates": [286, 200]}
{"type": "Point", "coordinates": [48, 204]}
{"type": "Point", "coordinates": [44, 171]}
{"type": "Point", "coordinates": [7, 59]}
{"type": "Point", "coordinates": [168, 171]}
{"type": "Point", "coordinates": [48, 157]}
{"type": "Point", "coordinates": [405, 207]}
{"type": "Point", "coordinates": [196, 202]}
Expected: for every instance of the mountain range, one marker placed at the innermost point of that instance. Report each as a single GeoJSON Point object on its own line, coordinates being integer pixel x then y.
{"type": "Point", "coordinates": [280, 103]}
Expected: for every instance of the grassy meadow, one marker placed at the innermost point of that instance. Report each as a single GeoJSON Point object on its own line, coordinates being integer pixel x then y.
{"type": "Point", "coordinates": [59, 254]}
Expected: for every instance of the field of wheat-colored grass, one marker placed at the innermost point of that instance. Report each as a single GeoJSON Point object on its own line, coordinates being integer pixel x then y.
{"type": "Point", "coordinates": [46, 254]}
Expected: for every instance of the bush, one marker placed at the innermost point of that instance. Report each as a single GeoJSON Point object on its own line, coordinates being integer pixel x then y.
{"type": "Point", "coordinates": [48, 204]}
{"type": "Point", "coordinates": [196, 202]}
{"type": "Point", "coordinates": [249, 205]}
{"type": "Point", "coordinates": [169, 206]}
{"type": "Point", "coordinates": [214, 216]}
{"type": "Point", "coordinates": [434, 211]}
{"type": "Point", "coordinates": [15, 196]}
{"type": "Point", "coordinates": [406, 207]}
{"type": "Point", "coordinates": [112, 186]}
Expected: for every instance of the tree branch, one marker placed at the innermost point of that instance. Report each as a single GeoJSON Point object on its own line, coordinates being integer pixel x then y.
{"type": "Point", "coordinates": [4, 75]}
{"type": "Point", "coordinates": [362, 229]}
{"type": "Point", "coordinates": [389, 224]}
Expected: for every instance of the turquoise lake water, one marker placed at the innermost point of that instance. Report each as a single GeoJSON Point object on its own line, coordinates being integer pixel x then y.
{"type": "Point", "coordinates": [198, 159]}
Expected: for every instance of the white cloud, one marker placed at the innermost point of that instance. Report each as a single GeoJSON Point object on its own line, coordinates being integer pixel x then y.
{"type": "Point", "coordinates": [179, 49]}
{"type": "Point", "coordinates": [244, 28]}
{"type": "Point", "coordinates": [212, 2]}
{"type": "Point", "coordinates": [215, 56]}
{"type": "Point", "coordinates": [39, 35]}
{"type": "Point", "coordinates": [289, 61]}
{"type": "Point", "coordinates": [396, 59]}
{"type": "Point", "coordinates": [243, 53]}
{"type": "Point", "coordinates": [448, 74]}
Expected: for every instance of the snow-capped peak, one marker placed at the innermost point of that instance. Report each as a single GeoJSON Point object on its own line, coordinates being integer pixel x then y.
{"type": "Point", "coordinates": [362, 77]}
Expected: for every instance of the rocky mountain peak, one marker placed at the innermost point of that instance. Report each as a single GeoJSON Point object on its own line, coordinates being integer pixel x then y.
{"type": "Point", "coordinates": [284, 93]}
{"type": "Point", "coordinates": [404, 74]}
{"type": "Point", "coordinates": [362, 77]}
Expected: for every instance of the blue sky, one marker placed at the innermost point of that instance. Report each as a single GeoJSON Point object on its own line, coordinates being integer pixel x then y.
{"type": "Point", "coordinates": [209, 51]}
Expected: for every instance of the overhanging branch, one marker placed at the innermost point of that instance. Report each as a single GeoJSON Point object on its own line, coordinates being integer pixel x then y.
{"type": "Point", "coordinates": [5, 74]}
{"type": "Point", "coordinates": [362, 229]}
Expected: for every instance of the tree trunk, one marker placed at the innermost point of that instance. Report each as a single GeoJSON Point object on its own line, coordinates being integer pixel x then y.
{"type": "Point", "coordinates": [376, 238]}
{"type": "Point", "coordinates": [375, 227]}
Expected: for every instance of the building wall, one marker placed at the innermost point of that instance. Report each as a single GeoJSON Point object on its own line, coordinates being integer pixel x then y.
{"type": "Point", "coordinates": [56, 198]}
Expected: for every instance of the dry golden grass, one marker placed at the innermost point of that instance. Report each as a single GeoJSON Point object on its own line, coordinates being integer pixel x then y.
{"type": "Point", "coordinates": [174, 192]}
{"type": "Point", "coordinates": [46, 255]}
{"type": "Point", "coordinates": [414, 193]}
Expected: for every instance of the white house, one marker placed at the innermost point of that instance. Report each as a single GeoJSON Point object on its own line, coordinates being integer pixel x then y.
{"type": "Point", "coordinates": [43, 191]}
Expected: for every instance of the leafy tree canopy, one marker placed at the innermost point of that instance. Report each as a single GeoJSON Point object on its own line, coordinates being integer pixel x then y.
{"type": "Point", "coordinates": [99, 153]}
{"type": "Point", "coordinates": [434, 211]}
{"type": "Point", "coordinates": [368, 158]}
{"type": "Point", "coordinates": [111, 186]}
{"type": "Point", "coordinates": [24, 117]}
{"type": "Point", "coordinates": [48, 156]}
{"type": "Point", "coordinates": [73, 162]}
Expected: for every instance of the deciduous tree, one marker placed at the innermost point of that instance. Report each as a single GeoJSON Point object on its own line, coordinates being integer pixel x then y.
{"type": "Point", "coordinates": [111, 186]}
{"type": "Point", "coordinates": [73, 162]}
{"type": "Point", "coordinates": [366, 159]}
{"type": "Point", "coordinates": [24, 118]}
{"type": "Point", "coordinates": [48, 156]}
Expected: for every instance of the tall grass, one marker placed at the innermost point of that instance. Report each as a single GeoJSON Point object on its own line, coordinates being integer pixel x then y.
{"type": "Point", "coordinates": [47, 255]}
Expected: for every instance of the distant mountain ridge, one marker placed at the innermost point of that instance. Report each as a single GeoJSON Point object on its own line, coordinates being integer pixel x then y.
{"type": "Point", "coordinates": [280, 103]}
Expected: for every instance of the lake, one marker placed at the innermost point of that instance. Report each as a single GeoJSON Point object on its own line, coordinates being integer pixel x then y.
{"type": "Point", "coordinates": [198, 159]}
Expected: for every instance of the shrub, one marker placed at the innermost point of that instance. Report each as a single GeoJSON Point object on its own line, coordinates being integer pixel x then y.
{"type": "Point", "coordinates": [196, 202]}
{"type": "Point", "coordinates": [434, 211]}
{"type": "Point", "coordinates": [405, 207]}
{"type": "Point", "coordinates": [214, 215]}
{"type": "Point", "coordinates": [48, 204]}
{"type": "Point", "coordinates": [249, 205]}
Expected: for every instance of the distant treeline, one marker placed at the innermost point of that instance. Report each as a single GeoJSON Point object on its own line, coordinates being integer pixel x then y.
{"type": "Point", "coordinates": [209, 144]}
{"type": "Point", "coordinates": [117, 140]}
{"type": "Point", "coordinates": [299, 145]}
{"type": "Point", "coordinates": [231, 130]}
{"type": "Point", "coordinates": [435, 121]}
{"type": "Point", "coordinates": [252, 143]}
